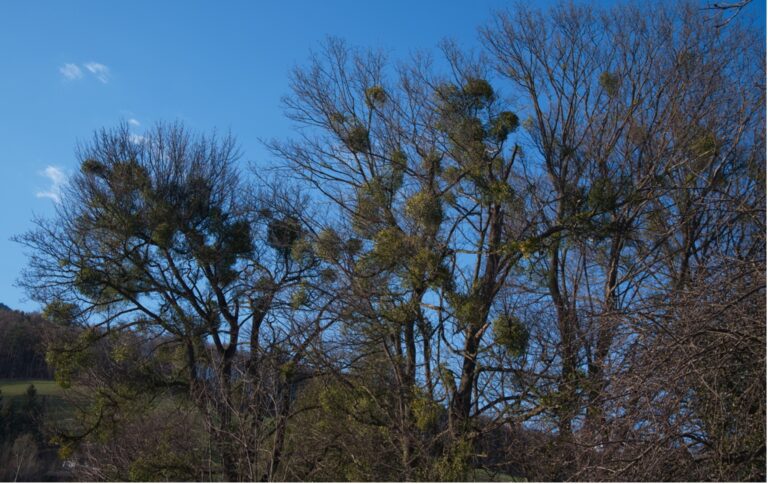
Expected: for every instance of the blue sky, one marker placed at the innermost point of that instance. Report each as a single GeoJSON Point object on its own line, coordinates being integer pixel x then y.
{"type": "Point", "coordinates": [68, 68]}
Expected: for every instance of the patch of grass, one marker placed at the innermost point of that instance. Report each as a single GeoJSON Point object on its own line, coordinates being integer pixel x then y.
{"type": "Point", "coordinates": [16, 388]}
{"type": "Point", "coordinates": [48, 391]}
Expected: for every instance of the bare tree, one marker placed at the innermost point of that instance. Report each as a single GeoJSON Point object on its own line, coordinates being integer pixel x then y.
{"type": "Point", "coordinates": [644, 132]}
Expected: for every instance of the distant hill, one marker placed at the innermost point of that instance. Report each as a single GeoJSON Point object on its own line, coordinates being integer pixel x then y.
{"type": "Point", "coordinates": [3, 307]}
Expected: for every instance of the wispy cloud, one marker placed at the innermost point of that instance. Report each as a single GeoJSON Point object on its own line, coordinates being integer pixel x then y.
{"type": "Point", "coordinates": [71, 72]}
{"type": "Point", "coordinates": [100, 71]}
{"type": "Point", "coordinates": [134, 122]}
{"type": "Point", "coordinates": [137, 139]}
{"type": "Point", "coordinates": [58, 179]}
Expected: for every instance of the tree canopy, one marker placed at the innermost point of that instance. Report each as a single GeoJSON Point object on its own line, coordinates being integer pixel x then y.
{"type": "Point", "coordinates": [545, 260]}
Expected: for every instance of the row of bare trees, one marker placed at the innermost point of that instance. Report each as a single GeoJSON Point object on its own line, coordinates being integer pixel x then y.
{"type": "Point", "coordinates": [544, 260]}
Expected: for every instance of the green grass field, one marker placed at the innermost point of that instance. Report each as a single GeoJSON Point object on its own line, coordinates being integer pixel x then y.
{"type": "Point", "coordinates": [15, 388]}
{"type": "Point", "coordinates": [57, 408]}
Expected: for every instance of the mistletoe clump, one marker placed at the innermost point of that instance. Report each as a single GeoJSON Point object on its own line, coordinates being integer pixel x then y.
{"type": "Point", "coordinates": [425, 210]}
{"type": "Point", "coordinates": [511, 333]}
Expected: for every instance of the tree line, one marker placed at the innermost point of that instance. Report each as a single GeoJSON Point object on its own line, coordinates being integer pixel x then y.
{"type": "Point", "coordinates": [22, 346]}
{"type": "Point", "coordinates": [542, 260]}
{"type": "Point", "coordinates": [24, 451]}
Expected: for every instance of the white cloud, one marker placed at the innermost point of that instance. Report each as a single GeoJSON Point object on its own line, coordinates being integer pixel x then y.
{"type": "Point", "coordinates": [58, 180]}
{"type": "Point", "coordinates": [137, 139]}
{"type": "Point", "coordinates": [134, 122]}
{"type": "Point", "coordinates": [99, 70]}
{"type": "Point", "coordinates": [71, 72]}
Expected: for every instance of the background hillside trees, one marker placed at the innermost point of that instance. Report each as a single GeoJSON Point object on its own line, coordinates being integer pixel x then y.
{"type": "Point", "coordinates": [22, 352]}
